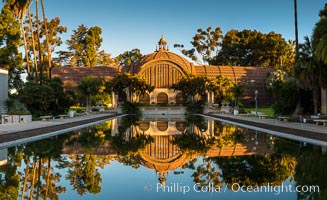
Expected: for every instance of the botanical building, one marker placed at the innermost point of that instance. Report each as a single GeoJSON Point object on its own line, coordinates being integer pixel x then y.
{"type": "Point", "coordinates": [163, 68]}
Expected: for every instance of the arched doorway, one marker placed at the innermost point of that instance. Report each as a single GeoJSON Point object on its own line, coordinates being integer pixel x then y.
{"type": "Point", "coordinates": [162, 126]}
{"type": "Point", "coordinates": [162, 98]}
{"type": "Point", "coordinates": [144, 126]}
{"type": "Point", "coordinates": [144, 99]}
{"type": "Point", "coordinates": [181, 126]}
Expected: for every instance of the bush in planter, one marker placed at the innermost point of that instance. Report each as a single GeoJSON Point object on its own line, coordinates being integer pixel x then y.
{"type": "Point", "coordinates": [195, 107]}
{"type": "Point", "coordinates": [15, 107]}
{"type": "Point", "coordinates": [131, 108]}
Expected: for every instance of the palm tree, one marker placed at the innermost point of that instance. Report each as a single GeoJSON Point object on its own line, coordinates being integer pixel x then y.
{"type": "Point", "coordinates": [306, 70]}
{"type": "Point", "coordinates": [298, 105]}
{"type": "Point", "coordinates": [320, 39]}
{"type": "Point", "coordinates": [320, 46]}
{"type": "Point", "coordinates": [296, 30]}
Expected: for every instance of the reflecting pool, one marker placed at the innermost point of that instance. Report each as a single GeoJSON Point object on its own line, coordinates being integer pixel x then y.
{"type": "Point", "coordinates": [168, 158]}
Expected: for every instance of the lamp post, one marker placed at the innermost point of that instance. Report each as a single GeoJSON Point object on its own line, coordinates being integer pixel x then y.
{"type": "Point", "coordinates": [256, 102]}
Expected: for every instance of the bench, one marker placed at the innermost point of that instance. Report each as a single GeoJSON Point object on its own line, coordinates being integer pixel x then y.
{"type": "Point", "coordinates": [281, 118]}
{"type": "Point", "coordinates": [62, 116]}
{"type": "Point", "coordinates": [322, 121]}
{"type": "Point", "coordinates": [262, 116]}
{"type": "Point", "coordinates": [80, 114]}
{"type": "Point", "coordinates": [45, 118]}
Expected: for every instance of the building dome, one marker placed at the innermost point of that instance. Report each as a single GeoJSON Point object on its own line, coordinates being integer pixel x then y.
{"type": "Point", "coordinates": [164, 55]}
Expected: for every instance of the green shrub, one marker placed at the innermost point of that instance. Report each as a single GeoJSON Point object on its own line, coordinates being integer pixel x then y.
{"type": "Point", "coordinates": [15, 107]}
{"type": "Point", "coordinates": [131, 108]}
{"type": "Point", "coordinates": [196, 107]}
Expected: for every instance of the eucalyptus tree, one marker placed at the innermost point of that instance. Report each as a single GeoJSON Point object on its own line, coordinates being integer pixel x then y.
{"type": "Point", "coordinates": [48, 46]}
{"type": "Point", "coordinates": [76, 46]}
{"type": "Point", "coordinates": [10, 41]}
{"type": "Point", "coordinates": [84, 46]}
{"type": "Point", "coordinates": [128, 57]}
{"type": "Point", "coordinates": [104, 59]}
{"type": "Point", "coordinates": [19, 7]}
{"type": "Point", "coordinates": [253, 48]}
{"type": "Point", "coordinates": [92, 44]}
{"type": "Point", "coordinates": [54, 40]}
{"type": "Point", "coordinates": [206, 43]}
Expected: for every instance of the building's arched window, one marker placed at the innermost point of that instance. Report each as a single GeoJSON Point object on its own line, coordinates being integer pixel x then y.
{"type": "Point", "coordinates": [144, 126]}
{"type": "Point", "coordinates": [162, 74]}
{"type": "Point", "coordinates": [162, 98]}
{"type": "Point", "coordinates": [180, 126]}
{"type": "Point", "coordinates": [179, 98]}
{"type": "Point", "coordinates": [144, 99]}
{"type": "Point", "coordinates": [162, 126]}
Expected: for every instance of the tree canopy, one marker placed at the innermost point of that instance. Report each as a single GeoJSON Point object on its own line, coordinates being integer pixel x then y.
{"type": "Point", "coordinates": [241, 48]}
{"type": "Point", "coordinates": [126, 86]}
{"type": "Point", "coordinates": [128, 57]}
{"type": "Point", "coordinates": [10, 41]}
{"type": "Point", "coordinates": [84, 48]}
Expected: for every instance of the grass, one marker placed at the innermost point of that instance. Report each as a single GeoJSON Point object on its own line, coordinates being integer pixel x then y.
{"type": "Point", "coordinates": [265, 110]}
{"type": "Point", "coordinates": [78, 109]}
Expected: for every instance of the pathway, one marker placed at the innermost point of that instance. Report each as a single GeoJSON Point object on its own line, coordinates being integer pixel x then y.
{"type": "Point", "coordinates": [310, 133]}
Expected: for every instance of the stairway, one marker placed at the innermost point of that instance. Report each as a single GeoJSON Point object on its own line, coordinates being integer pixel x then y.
{"type": "Point", "coordinates": [3, 107]}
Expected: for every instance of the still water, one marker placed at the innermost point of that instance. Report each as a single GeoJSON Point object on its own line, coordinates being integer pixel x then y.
{"type": "Point", "coordinates": [176, 158]}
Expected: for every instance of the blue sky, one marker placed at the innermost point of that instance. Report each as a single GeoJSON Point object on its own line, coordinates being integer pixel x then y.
{"type": "Point", "coordinates": [128, 24]}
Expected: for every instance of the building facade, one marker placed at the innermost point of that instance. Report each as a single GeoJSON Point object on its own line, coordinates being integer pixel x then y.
{"type": "Point", "coordinates": [3, 90]}
{"type": "Point", "coordinates": [163, 68]}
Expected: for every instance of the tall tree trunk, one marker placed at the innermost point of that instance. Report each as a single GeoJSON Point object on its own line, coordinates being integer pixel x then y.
{"type": "Point", "coordinates": [33, 181]}
{"type": "Point", "coordinates": [25, 46]}
{"type": "Point", "coordinates": [296, 31]}
{"type": "Point", "coordinates": [33, 42]}
{"type": "Point", "coordinates": [48, 183]}
{"type": "Point", "coordinates": [47, 39]}
{"type": "Point", "coordinates": [298, 108]}
{"type": "Point", "coordinates": [315, 95]}
{"type": "Point", "coordinates": [38, 39]}
{"type": "Point", "coordinates": [26, 173]}
{"type": "Point", "coordinates": [38, 189]}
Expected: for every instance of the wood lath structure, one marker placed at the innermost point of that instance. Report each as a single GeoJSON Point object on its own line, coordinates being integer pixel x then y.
{"type": "Point", "coordinates": [162, 68]}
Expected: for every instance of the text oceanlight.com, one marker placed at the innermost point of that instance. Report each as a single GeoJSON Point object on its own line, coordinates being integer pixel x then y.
{"type": "Point", "coordinates": [235, 187]}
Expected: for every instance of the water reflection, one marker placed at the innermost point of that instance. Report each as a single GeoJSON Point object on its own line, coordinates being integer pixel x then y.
{"type": "Point", "coordinates": [214, 153]}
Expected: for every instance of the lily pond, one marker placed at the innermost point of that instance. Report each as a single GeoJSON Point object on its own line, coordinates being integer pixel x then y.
{"type": "Point", "coordinates": [167, 158]}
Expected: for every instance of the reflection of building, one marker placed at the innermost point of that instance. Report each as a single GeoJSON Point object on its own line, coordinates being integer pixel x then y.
{"type": "Point", "coordinates": [162, 68]}
{"type": "Point", "coordinates": [163, 155]}
{"type": "Point", "coordinates": [3, 90]}
{"type": "Point", "coordinates": [3, 156]}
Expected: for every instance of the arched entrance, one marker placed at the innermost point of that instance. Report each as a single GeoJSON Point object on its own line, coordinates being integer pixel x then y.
{"type": "Point", "coordinates": [162, 98]}
{"type": "Point", "coordinates": [162, 126]}
{"type": "Point", "coordinates": [181, 126]}
{"type": "Point", "coordinates": [144, 126]}
{"type": "Point", "coordinates": [144, 99]}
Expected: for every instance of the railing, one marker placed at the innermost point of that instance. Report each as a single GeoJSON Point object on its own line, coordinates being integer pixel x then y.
{"type": "Point", "coordinates": [163, 110]}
